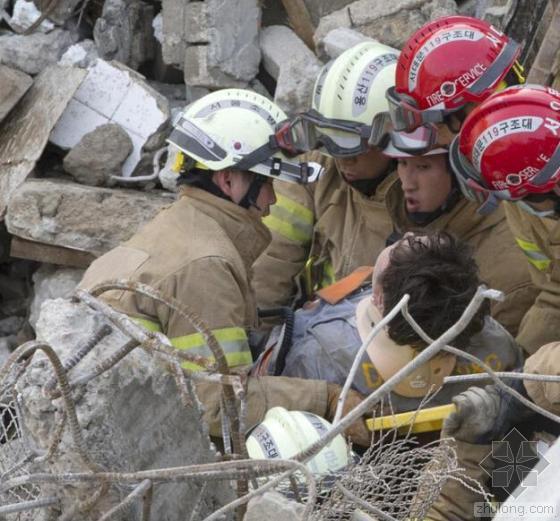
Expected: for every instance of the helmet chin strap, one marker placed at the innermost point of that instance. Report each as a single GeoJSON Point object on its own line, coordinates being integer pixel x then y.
{"type": "Point", "coordinates": [250, 198]}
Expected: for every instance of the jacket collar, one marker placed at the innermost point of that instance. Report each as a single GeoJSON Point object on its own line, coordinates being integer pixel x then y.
{"type": "Point", "coordinates": [246, 231]}
{"type": "Point", "coordinates": [462, 220]}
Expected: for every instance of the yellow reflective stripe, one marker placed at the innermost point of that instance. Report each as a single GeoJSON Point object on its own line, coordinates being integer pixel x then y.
{"type": "Point", "coordinates": [534, 255]}
{"type": "Point", "coordinates": [291, 220]}
{"type": "Point", "coordinates": [150, 325]}
{"type": "Point", "coordinates": [328, 274]}
{"type": "Point", "coordinates": [233, 341]}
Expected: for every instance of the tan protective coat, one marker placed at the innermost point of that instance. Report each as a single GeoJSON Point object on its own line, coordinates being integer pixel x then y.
{"type": "Point", "coordinates": [539, 239]}
{"type": "Point", "coordinates": [342, 226]}
{"type": "Point", "coordinates": [502, 266]}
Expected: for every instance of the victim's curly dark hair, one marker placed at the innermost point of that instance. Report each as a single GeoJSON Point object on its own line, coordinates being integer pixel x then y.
{"type": "Point", "coordinates": [441, 276]}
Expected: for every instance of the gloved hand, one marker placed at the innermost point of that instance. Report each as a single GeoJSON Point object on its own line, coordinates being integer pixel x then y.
{"type": "Point", "coordinates": [485, 414]}
{"type": "Point", "coordinates": [358, 431]}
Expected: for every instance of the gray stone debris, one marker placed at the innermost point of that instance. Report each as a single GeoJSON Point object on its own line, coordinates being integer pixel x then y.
{"type": "Point", "coordinates": [85, 218]}
{"type": "Point", "coordinates": [83, 54]}
{"type": "Point", "coordinates": [13, 85]}
{"type": "Point", "coordinates": [25, 131]}
{"type": "Point", "coordinates": [131, 419]}
{"type": "Point", "coordinates": [58, 11]}
{"type": "Point", "coordinates": [295, 67]}
{"type": "Point", "coordinates": [339, 40]}
{"type": "Point", "coordinates": [98, 155]}
{"type": "Point", "coordinates": [389, 22]}
{"type": "Point", "coordinates": [113, 93]}
{"type": "Point", "coordinates": [124, 32]}
{"type": "Point", "coordinates": [25, 14]}
{"type": "Point", "coordinates": [215, 42]}
{"type": "Point", "coordinates": [11, 325]}
{"type": "Point", "coordinates": [34, 52]}
{"type": "Point", "coordinates": [51, 282]}
{"type": "Point", "coordinates": [273, 507]}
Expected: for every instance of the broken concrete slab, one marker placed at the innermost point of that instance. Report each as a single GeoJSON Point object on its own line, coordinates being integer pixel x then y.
{"type": "Point", "coordinates": [339, 40]}
{"type": "Point", "coordinates": [98, 155]}
{"type": "Point", "coordinates": [113, 93]}
{"type": "Point", "coordinates": [131, 418]}
{"type": "Point", "coordinates": [51, 282]}
{"type": "Point", "coordinates": [124, 32]}
{"type": "Point", "coordinates": [215, 42]}
{"type": "Point", "coordinates": [25, 14]}
{"type": "Point", "coordinates": [13, 85]}
{"type": "Point", "coordinates": [280, 46]}
{"type": "Point", "coordinates": [83, 54]}
{"type": "Point", "coordinates": [34, 52]}
{"type": "Point", "coordinates": [59, 11]}
{"type": "Point", "coordinates": [95, 220]}
{"type": "Point", "coordinates": [25, 131]}
{"type": "Point", "coordinates": [274, 507]}
{"type": "Point", "coordinates": [295, 67]}
{"type": "Point", "coordinates": [390, 23]}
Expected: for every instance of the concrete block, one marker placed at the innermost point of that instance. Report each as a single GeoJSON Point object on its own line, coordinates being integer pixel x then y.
{"type": "Point", "coordinates": [99, 155]}
{"type": "Point", "coordinates": [33, 53]}
{"type": "Point", "coordinates": [339, 40]}
{"type": "Point", "coordinates": [124, 32]}
{"type": "Point", "coordinates": [197, 23]}
{"type": "Point", "coordinates": [25, 131]}
{"type": "Point", "coordinates": [24, 16]}
{"type": "Point", "coordinates": [174, 44]}
{"type": "Point", "coordinates": [83, 55]}
{"type": "Point", "coordinates": [60, 213]}
{"type": "Point", "coordinates": [274, 507]}
{"type": "Point", "coordinates": [199, 73]}
{"type": "Point", "coordinates": [13, 85]}
{"type": "Point", "coordinates": [389, 22]}
{"type": "Point", "coordinates": [112, 93]}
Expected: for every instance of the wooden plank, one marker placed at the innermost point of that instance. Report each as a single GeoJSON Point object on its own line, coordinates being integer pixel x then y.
{"type": "Point", "coordinates": [38, 251]}
{"type": "Point", "coordinates": [300, 20]}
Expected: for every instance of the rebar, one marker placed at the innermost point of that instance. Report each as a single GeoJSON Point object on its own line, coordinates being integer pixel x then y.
{"type": "Point", "coordinates": [364, 504]}
{"type": "Point", "coordinates": [29, 505]}
{"type": "Point", "coordinates": [138, 492]}
{"type": "Point", "coordinates": [144, 178]}
{"type": "Point", "coordinates": [359, 355]}
{"type": "Point", "coordinates": [501, 374]}
{"type": "Point", "coordinates": [71, 362]}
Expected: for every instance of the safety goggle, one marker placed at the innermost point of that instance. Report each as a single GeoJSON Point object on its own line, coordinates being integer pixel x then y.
{"type": "Point", "coordinates": [406, 116]}
{"type": "Point", "coordinates": [469, 182]}
{"type": "Point", "coordinates": [340, 138]}
{"type": "Point", "coordinates": [417, 142]}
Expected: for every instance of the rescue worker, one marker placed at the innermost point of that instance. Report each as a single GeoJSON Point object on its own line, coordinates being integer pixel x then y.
{"type": "Point", "coordinates": [201, 248]}
{"type": "Point", "coordinates": [328, 229]}
{"type": "Point", "coordinates": [509, 150]}
{"type": "Point", "coordinates": [327, 338]}
{"type": "Point", "coordinates": [445, 68]}
{"type": "Point", "coordinates": [429, 198]}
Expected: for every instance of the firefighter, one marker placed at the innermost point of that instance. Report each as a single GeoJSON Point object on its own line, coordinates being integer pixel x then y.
{"type": "Point", "coordinates": [326, 230]}
{"type": "Point", "coordinates": [509, 150]}
{"type": "Point", "coordinates": [201, 248]}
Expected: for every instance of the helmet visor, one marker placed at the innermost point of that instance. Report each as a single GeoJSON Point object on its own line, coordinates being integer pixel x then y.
{"type": "Point", "coordinates": [417, 142]}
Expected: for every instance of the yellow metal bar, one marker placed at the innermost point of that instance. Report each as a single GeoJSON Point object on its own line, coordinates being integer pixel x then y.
{"type": "Point", "coordinates": [426, 420]}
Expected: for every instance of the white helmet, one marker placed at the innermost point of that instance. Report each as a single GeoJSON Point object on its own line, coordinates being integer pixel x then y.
{"type": "Point", "coordinates": [282, 434]}
{"type": "Point", "coordinates": [235, 128]}
{"type": "Point", "coordinates": [349, 109]}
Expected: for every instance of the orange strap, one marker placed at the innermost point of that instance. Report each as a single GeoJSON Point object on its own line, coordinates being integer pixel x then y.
{"type": "Point", "coordinates": [342, 288]}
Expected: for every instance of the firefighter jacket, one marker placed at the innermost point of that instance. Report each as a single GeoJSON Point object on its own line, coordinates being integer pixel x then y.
{"type": "Point", "coordinates": [328, 222]}
{"type": "Point", "coordinates": [198, 250]}
{"type": "Point", "coordinates": [500, 262]}
{"type": "Point", "coordinates": [326, 341]}
{"type": "Point", "coordinates": [539, 240]}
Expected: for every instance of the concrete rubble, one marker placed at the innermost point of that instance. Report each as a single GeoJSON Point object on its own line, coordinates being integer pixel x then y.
{"type": "Point", "coordinates": [53, 211]}
{"type": "Point", "coordinates": [89, 94]}
{"type": "Point", "coordinates": [112, 93]}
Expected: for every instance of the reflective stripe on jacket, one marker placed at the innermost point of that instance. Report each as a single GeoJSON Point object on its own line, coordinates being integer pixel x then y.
{"type": "Point", "coordinates": [199, 251]}
{"type": "Point", "coordinates": [330, 221]}
{"type": "Point", "coordinates": [502, 266]}
{"type": "Point", "coordinates": [539, 240]}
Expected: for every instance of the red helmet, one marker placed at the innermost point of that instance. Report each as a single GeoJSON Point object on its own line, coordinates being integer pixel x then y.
{"type": "Point", "coordinates": [509, 146]}
{"type": "Point", "coordinates": [446, 64]}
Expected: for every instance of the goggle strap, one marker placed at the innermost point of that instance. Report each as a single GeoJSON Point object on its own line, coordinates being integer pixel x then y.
{"type": "Point", "coordinates": [549, 171]}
